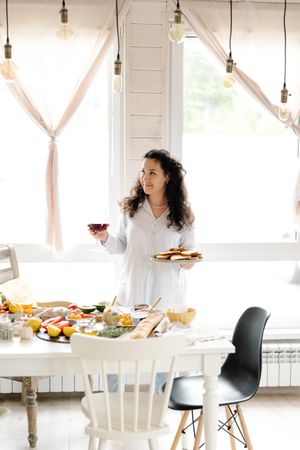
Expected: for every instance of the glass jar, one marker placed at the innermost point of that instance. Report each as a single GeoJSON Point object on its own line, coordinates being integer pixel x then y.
{"type": "Point", "coordinates": [7, 331]}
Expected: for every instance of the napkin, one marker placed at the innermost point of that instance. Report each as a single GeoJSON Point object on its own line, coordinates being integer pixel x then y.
{"type": "Point", "coordinates": [162, 327]}
{"type": "Point", "coordinates": [193, 334]}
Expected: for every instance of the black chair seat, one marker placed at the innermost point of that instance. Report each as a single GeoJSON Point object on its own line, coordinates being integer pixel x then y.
{"type": "Point", "coordinates": [187, 392]}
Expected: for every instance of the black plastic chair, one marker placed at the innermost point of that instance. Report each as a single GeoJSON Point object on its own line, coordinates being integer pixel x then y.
{"type": "Point", "coordinates": [237, 383]}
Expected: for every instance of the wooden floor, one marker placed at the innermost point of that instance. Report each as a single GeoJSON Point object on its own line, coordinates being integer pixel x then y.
{"type": "Point", "coordinates": [273, 421]}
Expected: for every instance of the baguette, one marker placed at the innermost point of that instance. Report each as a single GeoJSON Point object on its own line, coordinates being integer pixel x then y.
{"type": "Point", "coordinates": [145, 326]}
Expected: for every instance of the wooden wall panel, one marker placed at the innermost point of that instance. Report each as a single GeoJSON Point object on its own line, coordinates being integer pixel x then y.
{"type": "Point", "coordinates": [147, 81]}
{"type": "Point", "coordinates": [139, 146]}
{"type": "Point", "coordinates": [146, 96]}
{"type": "Point", "coordinates": [145, 103]}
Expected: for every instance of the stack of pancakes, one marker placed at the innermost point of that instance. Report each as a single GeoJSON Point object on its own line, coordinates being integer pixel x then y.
{"type": "Point", "coordinates": [179, 253]}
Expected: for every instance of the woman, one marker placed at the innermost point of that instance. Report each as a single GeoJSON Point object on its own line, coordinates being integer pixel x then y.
{"type": "Point", "coordinates": [155, 217]}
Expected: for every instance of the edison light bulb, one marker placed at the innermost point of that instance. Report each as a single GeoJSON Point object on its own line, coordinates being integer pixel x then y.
{"type": "Point", "coordinates": [176, 33]}
{"type": "Point", "coordinates": [229, 80]}
{"type": "Point", "coordinates": [117, 79]}
{"type": "Point", "coordinates": [8, 69]}
{"type": "Point", "coordinates": [284, 112]}
{"type": "Point", "coordinates": [64, 31]}
{"type": "Point", "coordinates": [117, 84]}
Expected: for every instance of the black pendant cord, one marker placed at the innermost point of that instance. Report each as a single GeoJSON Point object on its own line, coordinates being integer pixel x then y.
{"type": "Point", "coordinates": [6, 12]}
{"type": "Point", "coordinates": [284, 33]}
{"type": "Point", "coordinates": [117, 23]}
{"type": "Point", "coordinates": [230, 27]}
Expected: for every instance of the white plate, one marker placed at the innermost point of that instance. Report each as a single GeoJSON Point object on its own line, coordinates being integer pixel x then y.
{"type": "Point", "coordinates": [177, 261]}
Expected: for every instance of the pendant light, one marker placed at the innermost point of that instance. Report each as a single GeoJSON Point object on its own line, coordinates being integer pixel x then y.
{"type": "Point", "coordinates": [117, 78]}
{"type": "Point", "coordinates": [176, 33]}
{"type": "Point", "coordinates": [229, 80]}
{"type": "Point", "coordinates": [64, 30]}
{"type": "Point", "coordinates": [284, 112]}
{"type": "Point", "coordinates": [8, 69]}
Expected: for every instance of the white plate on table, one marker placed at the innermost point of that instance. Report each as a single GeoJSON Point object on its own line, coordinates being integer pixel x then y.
{"type": "Point", "coordinates": [177, 261]}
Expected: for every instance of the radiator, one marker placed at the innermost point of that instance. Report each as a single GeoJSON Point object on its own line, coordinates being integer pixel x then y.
{"type": "Point", "coordinates": [281, 365]}
{"type": "Point", "coordinates": [281, 368]}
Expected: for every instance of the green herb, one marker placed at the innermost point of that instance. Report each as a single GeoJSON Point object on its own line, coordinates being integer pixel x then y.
{"type": "Point", "coordinates": [114, 331]}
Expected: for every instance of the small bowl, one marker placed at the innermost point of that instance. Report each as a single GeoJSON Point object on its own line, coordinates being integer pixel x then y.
{"type": "Point", "coordinates": [183, 317]}
{"type": "Point", "coordinates": [137, 316]}
{"type": "Point", "coordinates": [87, 309]}
{"type": "Point", "coordinates": [101, 306]}
{"type": "Point", "coordinates": [141, 307]}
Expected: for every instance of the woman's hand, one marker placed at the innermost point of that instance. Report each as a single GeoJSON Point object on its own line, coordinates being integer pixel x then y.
{"type": "Point", "coordinates": [101, 235]}
{"type": "Point", "coordinates": [187, 265]}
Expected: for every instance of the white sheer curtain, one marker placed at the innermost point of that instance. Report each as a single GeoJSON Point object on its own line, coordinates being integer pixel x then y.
{"type": "Point", "coordinates": [54, 75]}
{"type": "Point", "coordinates": [257, 49]}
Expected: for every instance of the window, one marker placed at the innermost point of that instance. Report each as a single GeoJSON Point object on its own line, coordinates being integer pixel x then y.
{"type": "Point", "coordinates": [241, 170]}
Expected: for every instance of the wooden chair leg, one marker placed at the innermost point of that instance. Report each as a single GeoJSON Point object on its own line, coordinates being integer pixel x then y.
{"type": "Point", "coordinates": [179, 429]}
{"type": "Point", "coordinates": [244, 427]}
{"type": "Point", "coordinates": [230, 423]}
{"type": "Point", "coordinates": [198, 432]}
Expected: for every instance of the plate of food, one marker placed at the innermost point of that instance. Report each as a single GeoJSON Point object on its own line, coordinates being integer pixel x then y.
{"type": "Point", "coordinates": [178, 255]}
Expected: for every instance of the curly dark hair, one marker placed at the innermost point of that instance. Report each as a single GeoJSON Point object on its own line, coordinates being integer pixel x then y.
{"type": "Point", "coordinates": [180, 214]}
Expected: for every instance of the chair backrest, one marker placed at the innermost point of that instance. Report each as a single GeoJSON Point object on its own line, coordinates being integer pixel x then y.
{"type": "Point", "coordinates": [246, 363]}
{"type": "Point", "coordinates": [10, 270]}
{"type": "Point", "coordinates": [128, 356]}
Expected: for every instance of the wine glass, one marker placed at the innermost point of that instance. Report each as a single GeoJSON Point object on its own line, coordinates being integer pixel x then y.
{"type": "Point", "coordinates": [101, 224]}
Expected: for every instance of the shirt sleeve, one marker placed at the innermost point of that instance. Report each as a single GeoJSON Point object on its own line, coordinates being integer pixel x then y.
{"type": "Point", "coordinates": [117, 243]}
{"type": "Point", "coordinates": [188, 238]}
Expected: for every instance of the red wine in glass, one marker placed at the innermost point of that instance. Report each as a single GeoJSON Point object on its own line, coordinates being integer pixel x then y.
{"type": "Point", "coordinates": [98, 226]}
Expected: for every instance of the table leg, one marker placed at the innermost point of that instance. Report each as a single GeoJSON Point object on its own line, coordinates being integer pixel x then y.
{"type": "Point", "coordinates": [211, 370]}
{"type": "Point", "coordinates": [29, 389]}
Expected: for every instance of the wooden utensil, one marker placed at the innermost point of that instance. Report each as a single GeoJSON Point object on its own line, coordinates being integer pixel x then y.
{"type": "Point", "coordinates": [151, 309]}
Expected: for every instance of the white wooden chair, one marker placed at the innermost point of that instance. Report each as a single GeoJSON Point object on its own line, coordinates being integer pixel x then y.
{"type": "Point", "coordinates": [10, 270]}
{"type": "Point", "coordinates": [125, 415]}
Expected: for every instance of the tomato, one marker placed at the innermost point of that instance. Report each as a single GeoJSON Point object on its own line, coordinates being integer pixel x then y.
{"type": "Point", "coordinates": [72, 306]}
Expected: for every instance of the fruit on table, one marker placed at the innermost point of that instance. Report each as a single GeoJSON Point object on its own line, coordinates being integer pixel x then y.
{"type": "Point", "coordinates": [74, 316]}
{"type": "Point", "coordinates": [27, 308]}
{"type": "Point", "coordinates": [53, 331]}
{"type": "Point", "coordinates": [126, 320]}
{"type": "Point", "coordinates": [72, 306]}
{"type": "Point", "coordinates": [15, 308]}
{"type": "Point", "coordinates": [34, 323]}
{"type": "Point", "coordinates": [68, 331]}
{"type": "Point", "coordinates": [2, 298]}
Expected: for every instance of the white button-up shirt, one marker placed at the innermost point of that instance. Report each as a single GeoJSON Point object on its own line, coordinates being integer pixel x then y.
{"type": "Point", "coordinates": [143, 280]}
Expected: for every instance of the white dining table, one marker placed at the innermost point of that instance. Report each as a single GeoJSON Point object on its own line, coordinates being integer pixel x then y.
{"type": "Point", "coordinates": [30, 360]}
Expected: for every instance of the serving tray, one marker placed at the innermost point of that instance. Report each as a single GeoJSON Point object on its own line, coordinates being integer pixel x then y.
{"type": "Point", "coordinates": [45, 337]}
{"type": "Point", "coordinates": [177, 261]}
